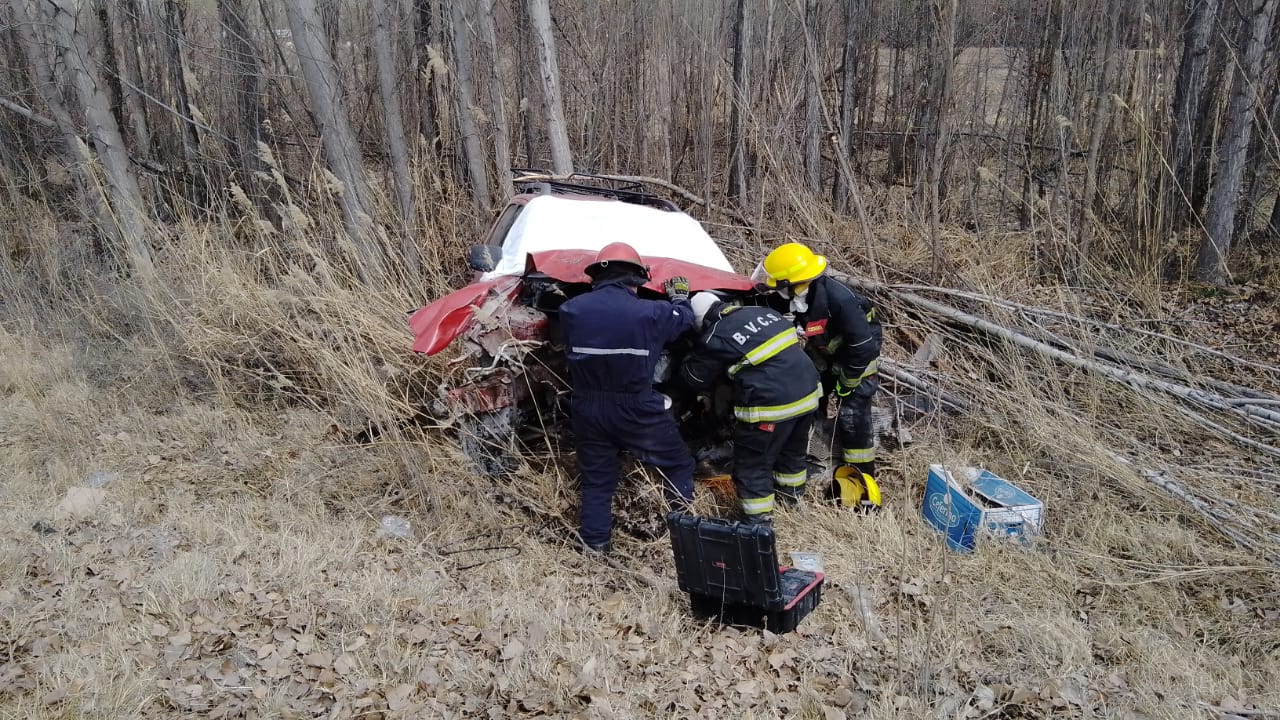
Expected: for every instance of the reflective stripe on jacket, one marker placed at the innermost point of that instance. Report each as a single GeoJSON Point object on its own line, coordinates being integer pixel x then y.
{"type": "Point", "coordinates": [614, 339]}
{"type": "Point", "coordinates": [841, 327]}
{"type": "Point", "coordinates": [773, 379]}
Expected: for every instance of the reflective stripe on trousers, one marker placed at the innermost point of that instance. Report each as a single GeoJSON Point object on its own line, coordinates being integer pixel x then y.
{"type": "Point", "coordinates": [791, 480]}
{"type": "Point", "coordinates": [859, 455]}
{"type": "Point", "coordinates": [762, 457]}
{"type": "Point", "coordinates": [756, 506]}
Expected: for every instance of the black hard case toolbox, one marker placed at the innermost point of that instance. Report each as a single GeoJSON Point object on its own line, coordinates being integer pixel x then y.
{"type": "Point", "coordinates": [731, 573]}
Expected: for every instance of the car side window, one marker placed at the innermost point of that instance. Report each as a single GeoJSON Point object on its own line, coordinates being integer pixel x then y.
{"type": "Point", "coordinates": [498, 235]}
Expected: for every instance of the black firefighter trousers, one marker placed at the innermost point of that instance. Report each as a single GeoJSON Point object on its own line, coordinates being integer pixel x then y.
{"type": "Point", "coordinates": [769, 455]}
{"type": "Point", "coordinates": [854, 429]}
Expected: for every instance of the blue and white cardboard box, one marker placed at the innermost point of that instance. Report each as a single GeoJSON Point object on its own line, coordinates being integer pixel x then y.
{"type": "Point", "coordinates": [984, 504]}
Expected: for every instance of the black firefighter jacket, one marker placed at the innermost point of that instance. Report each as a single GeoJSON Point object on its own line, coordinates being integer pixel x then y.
{"type": "Point", "coordinates": [841, 329]}
{"type": "Point", "coordinates": [773, 379]}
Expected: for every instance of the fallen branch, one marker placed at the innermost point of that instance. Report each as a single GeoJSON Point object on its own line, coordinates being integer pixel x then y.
{"type": "Point", "coordinates": [1127, 377]}
{"type": "Point", "coordinates": [1011, 305]}
{"type": "Point", "coordinates": [1229, 433]}
{"type": "Point", "coordinates": [27, 113]}
{"type": "Point", "coordinates": [1228, 712]}
{"type": "Point", "coordinates": [1170, 485]}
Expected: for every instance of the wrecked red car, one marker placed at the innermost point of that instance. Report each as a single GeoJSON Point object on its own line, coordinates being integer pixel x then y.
{"type": "Point", "coordinates": [512, 386]}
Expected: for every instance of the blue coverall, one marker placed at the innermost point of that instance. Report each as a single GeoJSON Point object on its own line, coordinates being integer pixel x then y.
{"type": "Point", "coordinates": [613, 341]}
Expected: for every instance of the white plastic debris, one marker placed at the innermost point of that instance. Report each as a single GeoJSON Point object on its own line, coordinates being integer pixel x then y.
{"type": "Point", "coordinates": [80, 503]}
{"type": "Point", "coordinates": [100, 478]}
{"type": "Point", "coordinates": [393, 526]}
{"type": "Point", "coordinates": [809, 561]}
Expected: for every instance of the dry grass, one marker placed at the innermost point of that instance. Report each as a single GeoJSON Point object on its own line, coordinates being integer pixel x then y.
{"type": "Point", "coordinates": [235, 569]}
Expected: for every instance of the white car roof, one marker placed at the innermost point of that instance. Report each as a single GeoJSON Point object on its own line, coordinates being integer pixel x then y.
{"type": "Point", "coordinates": [550, 222]}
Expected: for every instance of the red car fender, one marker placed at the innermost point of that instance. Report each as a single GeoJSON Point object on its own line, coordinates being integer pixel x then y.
{"type": "Point", "coordinates": [436, 325]}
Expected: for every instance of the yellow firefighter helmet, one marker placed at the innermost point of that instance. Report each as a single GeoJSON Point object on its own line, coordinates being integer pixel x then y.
{"type": "Point", "coordinates": [791, 264]}
{"type": "Point", "coordinates": [857, 489]}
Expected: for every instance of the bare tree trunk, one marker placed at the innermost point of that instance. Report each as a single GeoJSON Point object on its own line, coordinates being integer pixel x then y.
{"type": "Point", "coordinates": [741, 105]}
{"type": "Point", "coordinates": [123, 17]}
{"type": "Point", "coordinates": [1187, 100]}
{"type": "Point", "coordinates": [174, 36]}
{"type": "Point", "coordinates": [341, 151]}
{"type": "Point", "coordinates": [426, 47]}
{"type": "Point", "coordinates": [854, 18]}
{"type": "Point", "coordinates": [932, 120]}
{"type": "Point", "coordinates": [1101, 119]}
{"type": "Point", "coordinates": [526, 89]}
{"type": "Point", "coordinates": [76, 29]}
{"type": "Point", "coordinates": [30, 36]}
{"type": "Point", "coordinates": [464, 83]}
{"type": "Point", "coordinates": [812, 121]}
{"type": "Point", "coordinates": [655, 90]}
{"type": "Point", "coordinates": [1264, 149]}
{"type": "Point", "coordinates": [385, 16]}
{"type": "Point", "coordinates": [1215, 247]}
{"type": "Point", "coordinates": [497, 103]}
{"type": "Point", "coordinates": [242, 55]}
{"type": "Point", "coordinates": [553, 106]}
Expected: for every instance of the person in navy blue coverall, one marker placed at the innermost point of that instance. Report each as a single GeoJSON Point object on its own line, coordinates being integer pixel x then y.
{"type": "Point", "coordinates": [613, 341]}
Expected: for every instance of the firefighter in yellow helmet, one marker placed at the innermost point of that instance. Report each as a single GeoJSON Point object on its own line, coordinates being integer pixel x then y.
{"type": "Point", "coordinates": [842, 336]}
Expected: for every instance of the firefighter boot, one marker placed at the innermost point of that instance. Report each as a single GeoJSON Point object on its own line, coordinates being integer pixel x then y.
{"type": "Point", "coordinates": [764, 518]}
{"type": "Point", "coordinates": [789, 496]}
{"type": "Point", "coordinates": [596, 549]}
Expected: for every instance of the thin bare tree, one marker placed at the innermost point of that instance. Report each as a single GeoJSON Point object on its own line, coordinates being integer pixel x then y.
{"type": "Point", "coordinates": [76, 34]}
{"type": "Point", "coordinates": [1187, 103]}
{"type": "Point", "coordinates": [549, 69]}
{"type": "Point", "coordinates": [655, 79]}
{"type": "Point", "coordinates": [125, 28]}
{"type": "Point", "coordinates": [812, 120]}
{"type": "Point", "coordinates": [740, 107]}
{"type": "Point", "coordinates": [468, 110]}
{"type": "Point", "coordinates": [1102, 102]}
{"type": "Point", "coordinates": [386, 16]}
{"type": "Point", "coordinates": [933, 119]}
{"type": "Point", "coordinates": [174, 42]}
{"type": "Point", "coordinates": [29, 31]}
{"type": "Point", "coordinates": [341, 150]}
{"type": "Point", "coordinates": [1215, 247]}
{"type": "Point", "coordinates": [855, 18]}
{"type": "Point", "coordinates": [246, 69]}
{"type": "Point", "coordinates": [497, 100]}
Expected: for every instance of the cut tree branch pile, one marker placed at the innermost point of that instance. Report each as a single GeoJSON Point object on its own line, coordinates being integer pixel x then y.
{"type": "Point", "coordinates": [1246, 417]}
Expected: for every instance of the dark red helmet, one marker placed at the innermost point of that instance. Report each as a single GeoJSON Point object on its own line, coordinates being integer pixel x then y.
{"type": "Point", "coordinates": [615, 255]}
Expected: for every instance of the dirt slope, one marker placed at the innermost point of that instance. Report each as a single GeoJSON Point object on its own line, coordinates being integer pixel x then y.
{"type": "Point", "coordinates": [233, 569]}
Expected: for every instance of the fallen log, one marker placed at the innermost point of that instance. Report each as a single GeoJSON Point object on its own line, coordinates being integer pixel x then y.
{"type": "Point", "coordinates": [1129, 377]}
{"type": "Point", "coordinates": [1047, 312]}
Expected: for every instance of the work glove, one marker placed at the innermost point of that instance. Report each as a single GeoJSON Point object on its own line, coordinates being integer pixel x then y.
{"type": "Point", "coordinates": [677, 288]}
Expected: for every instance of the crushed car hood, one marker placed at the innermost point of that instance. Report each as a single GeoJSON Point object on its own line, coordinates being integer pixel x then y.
{"type": "Point", "coordinates": [568, 265]}
{"type": "Point", "coordinates": [436, 325]}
